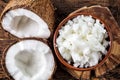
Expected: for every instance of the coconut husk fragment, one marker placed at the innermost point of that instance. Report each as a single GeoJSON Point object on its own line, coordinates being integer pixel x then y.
{"type": "Point", "coordinates": [43, 8]}
{"type": "Point", "coordinates": [7, 44]}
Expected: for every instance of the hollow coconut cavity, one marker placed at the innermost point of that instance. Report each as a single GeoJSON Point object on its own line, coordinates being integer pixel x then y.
{"type": "Point", "coordinates": [25, 23]}
{"type": "Point", "coordinates": [30, 60]}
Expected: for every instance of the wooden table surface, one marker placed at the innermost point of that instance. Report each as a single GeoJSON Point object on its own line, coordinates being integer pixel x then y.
{"type": "Point", "coordinates": [60, 6]}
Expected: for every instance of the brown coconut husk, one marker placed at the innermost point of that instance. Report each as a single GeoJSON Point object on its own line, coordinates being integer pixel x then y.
{"type": "Point", "coordinates": [8, 45]}
{"type": "Point", "coordinates": [43, 8]}
{"type": "Point", "coordinates": [4, 45]}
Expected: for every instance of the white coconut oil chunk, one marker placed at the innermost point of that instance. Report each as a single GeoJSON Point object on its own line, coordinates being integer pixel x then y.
{"type": "Point", "coordinates": [82, 40]}
{"type": "Point", "coordinates": [30, 60]}
{"type": "Point", "coordinates": [24, 23]}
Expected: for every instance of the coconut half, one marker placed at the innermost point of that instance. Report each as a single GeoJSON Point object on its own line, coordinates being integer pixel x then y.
{"type": "Point", "coordinates": [28, 18]}
{"type": "Point", "coordinates": [24, 23]}
{"type": "Point", "coordinates": [30, 60]}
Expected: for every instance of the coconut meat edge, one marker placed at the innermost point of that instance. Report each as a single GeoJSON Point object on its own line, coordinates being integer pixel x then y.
{"type": "Point", "coordinates": [30, 60]}
{"type": "Point", "coordinates": [25, 23]}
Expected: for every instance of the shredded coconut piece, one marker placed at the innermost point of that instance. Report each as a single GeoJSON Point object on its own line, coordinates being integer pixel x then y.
{"type": "Point", "coordinates": [82, 40]}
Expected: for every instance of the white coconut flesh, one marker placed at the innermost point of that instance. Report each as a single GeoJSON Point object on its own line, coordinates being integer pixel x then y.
{"type": "Point", "coordinates": [25, 23]}
{"type": "Point", "coordinates": [30, 60]}
{"type": "Point", "coordinates": [83, 41]}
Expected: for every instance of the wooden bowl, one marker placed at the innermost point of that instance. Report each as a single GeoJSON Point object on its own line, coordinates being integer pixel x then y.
{"type": "Point", "coordinates": [61, 59]}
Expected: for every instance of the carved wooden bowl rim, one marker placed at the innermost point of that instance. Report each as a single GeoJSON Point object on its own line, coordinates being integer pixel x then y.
{"type": "Point", "coordinates": [67, 65]}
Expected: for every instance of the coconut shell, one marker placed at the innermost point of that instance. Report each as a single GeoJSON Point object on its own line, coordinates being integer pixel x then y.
{"type": "Point", "coordinates": [4, 46]}
{"type": "Point", "coordinates": [7, 44]}
{"type": "Point", "coordinates": [43, 8]}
